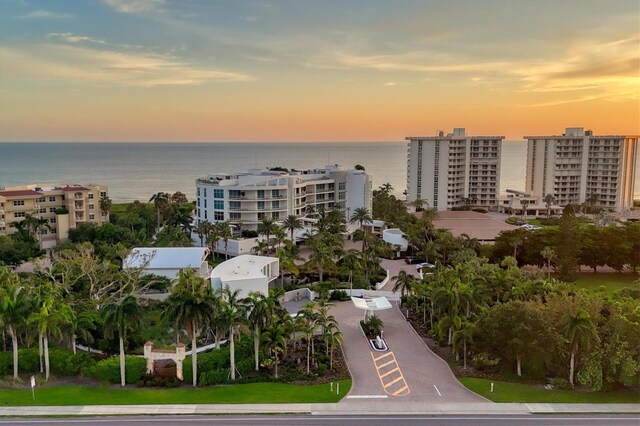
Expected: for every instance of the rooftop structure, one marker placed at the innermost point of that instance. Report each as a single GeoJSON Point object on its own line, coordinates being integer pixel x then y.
{"type": "Point", "coordinates": [476, 225]}
{"type": "Point", "coordinates": [454, 170]}
{"type": "Point", "coordinates": [246, 198]}
{"type": "Point", "coordinates": [578, 166]}
{"type": "Point", "coordinates": [49, 202]}
{"type": "Point", "coordinates": [169, 261]}
{"type": "Point", "coordinates": [246, 273]}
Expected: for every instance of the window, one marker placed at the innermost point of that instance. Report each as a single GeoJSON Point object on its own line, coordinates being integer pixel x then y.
{"type": "Point", "coordinates": [205, 214]}
{"type": "Point", "coordinates": [275, 193]}
{"type": "Point", "coordinates": [52, 209]}
{"type": "Point", "coordinates": [198, 191]}
{"type": "Point", "coordinates": [205, 192]}
{"type": "Point", "coordinates": [52, 198]}
{"type": "Point", "coordinates": [44, 231]}
{"type": "Point", "coordinates": [275, 204]}
{"type": "Point", "coordinates": [219, 193]}
{"type": "Point", "coordinates": [341, 195]}
{"type": "Point", "coordinates": [218, 215]}
{"type": "Point", "coordinates": [260, 193]}
{"type": "Point", "coordinates": [198, 203]}
{"type": "Point", "coordinates": [218, 204]}
{"type": "Point", "coordinates": [275, 215]}
{"type": "Point", "coordinates": [90, 196]}
{"type": "Point", "coordinates": [52, 220]}
{"type": "Point", "coordinates": [235, 216]}
{"type": "Point", "coordinates": [53, 230]}
{"type": "Point", "coordinates": [41, 199]}
{"type": "Point", "coordinates": [91, 206]}
{"type": "Point", "coordinates": [342, 186]}
{"type": "Point", "coordinates": [198, 212]}
{"type": "Point", "coordinates": [92, 216]}
{"type": "Point", "coordinates": [43, 210]}
{"type": "Point", "coordinates": [19, 214]}
{"type": "Point", "coordinates": [103, 194]}
{"type": "Point", "coordinates": [234, 205]}
{"type": "Point", "coordinates": [260, 205]}
{"type": "Point", "coordinates": [18, 203]}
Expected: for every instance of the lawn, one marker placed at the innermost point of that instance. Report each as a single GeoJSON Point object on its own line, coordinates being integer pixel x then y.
{"type": "Point", "coordinates": [253, 393]}
{"type": "Point", "coordinates": [611, 281]}
{"type": "Point", "coordinates": [516, 392]}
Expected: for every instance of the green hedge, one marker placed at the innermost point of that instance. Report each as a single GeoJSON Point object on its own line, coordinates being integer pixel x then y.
{"type": "Point", "coordinates": [210, 362]}
{"type": "Point", "coordinates": [108, 370]}
{"type": "Point", "coordinates": [61, 362]}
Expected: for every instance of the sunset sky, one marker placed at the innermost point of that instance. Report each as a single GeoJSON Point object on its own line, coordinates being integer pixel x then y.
{"type": "Point", "coordinates": [196, 70]}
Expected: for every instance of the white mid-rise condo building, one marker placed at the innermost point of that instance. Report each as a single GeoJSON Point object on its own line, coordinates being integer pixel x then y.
{"type": "Point", "coordinates": [245, 198]}
{"type": "Point", "coordinates": [453, 170]}
{"type": "Point", "coordinates": [578, 166]}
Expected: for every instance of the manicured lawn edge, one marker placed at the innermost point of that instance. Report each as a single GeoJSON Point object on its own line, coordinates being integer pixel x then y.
{"type": "Point", "coordinates": [517, 392]}
{"type": "Point", "coordinates": [251, 393]}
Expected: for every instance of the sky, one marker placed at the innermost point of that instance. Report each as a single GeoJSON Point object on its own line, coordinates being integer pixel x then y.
{"type": "Point", "coordinates": [348, 70]}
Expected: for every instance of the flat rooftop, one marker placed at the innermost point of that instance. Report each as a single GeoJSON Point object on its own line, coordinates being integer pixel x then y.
{"type": "Point", "coordinates": [476, 225]}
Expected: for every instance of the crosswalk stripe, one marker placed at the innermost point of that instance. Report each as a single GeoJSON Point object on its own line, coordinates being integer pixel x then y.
{"type": "Point", "coordinates": [389, 372]}
{"type": "Point", "coordinates": [379, 367]}
{"type": "Point", "coordinates": [397, 379]}
{"type": "Point", "coordinates": [401, 390]}
{"type": "Point", "coordinates": [382, 356]}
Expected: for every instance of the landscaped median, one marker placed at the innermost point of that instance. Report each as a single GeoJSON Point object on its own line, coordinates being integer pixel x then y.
{"type": "Point", "coordinates": [517, 392]}
{"type": "Point", "coordinates": [251, 393]}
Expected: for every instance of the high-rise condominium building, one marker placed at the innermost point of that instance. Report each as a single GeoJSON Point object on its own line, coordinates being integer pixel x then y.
{"type": "Point", "coordinates": [454, 170]}
{"type": "Point", "coordinates": [61, 206]}
{"type": "Point", "coordinates": [578, 166]}
{"type": "Point", "coordinates": [246, 198]}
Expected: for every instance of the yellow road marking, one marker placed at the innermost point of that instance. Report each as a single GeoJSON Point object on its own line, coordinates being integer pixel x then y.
{"type": "Point", "coordinates": [389, 372]}
{"type": "Point", "coordinates": [404, 390]}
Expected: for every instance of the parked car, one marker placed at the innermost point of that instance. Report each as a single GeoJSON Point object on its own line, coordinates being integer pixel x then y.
{"type": "Point", "coordinates": [411, 260]}
{"type": "Point", "coordinates": [425, 265]}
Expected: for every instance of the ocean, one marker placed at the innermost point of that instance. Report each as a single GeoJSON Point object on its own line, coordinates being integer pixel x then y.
{"type": "Point", "coordinates": [135, 171]}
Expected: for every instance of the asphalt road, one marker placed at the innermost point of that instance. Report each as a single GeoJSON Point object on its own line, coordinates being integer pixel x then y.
{"type": "Point", "coordinates": [554, 420]}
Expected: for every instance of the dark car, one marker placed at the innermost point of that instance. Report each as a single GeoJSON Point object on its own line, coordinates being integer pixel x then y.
{"type": "Point", "coordinates": [412, 260]}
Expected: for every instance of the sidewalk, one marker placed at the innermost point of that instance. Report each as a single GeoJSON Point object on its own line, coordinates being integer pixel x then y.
{"type": "Point", "coordinates": [343, 408]}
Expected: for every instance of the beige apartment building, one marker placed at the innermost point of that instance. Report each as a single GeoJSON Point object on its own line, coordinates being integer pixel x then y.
{"type": "Point", "coordinates": [578, 165]}
{"type": "Point", "coordinates": [454, 170]}
{"type": "Point", "coordinates": [49, 202]}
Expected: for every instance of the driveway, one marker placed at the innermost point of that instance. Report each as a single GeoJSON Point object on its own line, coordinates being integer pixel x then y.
{"type": "Point", "coordinates": [427, 377]}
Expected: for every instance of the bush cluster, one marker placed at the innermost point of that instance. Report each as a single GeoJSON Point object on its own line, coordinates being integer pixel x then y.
{"type": "Point", "coordinates": [61, 362]}
{"type": "Point", "coordinates": [108, 370]}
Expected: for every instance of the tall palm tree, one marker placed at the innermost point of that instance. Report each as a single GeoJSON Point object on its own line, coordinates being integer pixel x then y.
{"type": "Point", "coordinates": [307, 325]}
{"type": "Point", "coordinates": [549, 199]}
{"type": "Point", "coordinates": [225, 234]}
{"type": "Point", "coordinates": [581, 333]}
{"type": "Point", "coordinates": [404, 282]}
{"type": "Point", "coordinates": [192, 304]}
{"type": "Point", "coordinates": [260, 315]}
{"type": "Point", "coordinates": [548, 254]}
{"type": "Point", "coordinates": [463, 334]}
{"type": "Point", "coordinates": [14, 305]}
{"type": "Point", "coordinates": [203, 229]}
{"type": "Point", "coordinates": [81, 326]}
{"type": "Point", "coordinates": [386, 188]}
{"type": "Point", "coordinates": [233, 314]}
{"type": "Point", "coordinates": [161, 201]}
{"type": "Point", "coordinates": [120, 316]}
{"type": "Point", "coordinates": [291, 224]}
{"type": "Point", "coordinates": [51, 316]}
{"type": "Point", "coordinates": [214, 238]}
{"type": "Point", "coordinates": [287, 261]}
{"type": "Point", "coordinates": [275, 339]}
{"type": "Point", "coordinates": [266, 227]}
{"type": "Point", "coordinates": [353, 262]}
{"type": "Point", "coordinates": [360, 216]}
{"type": "Point", "coordinates": [105, 204]}
{"type": "Point", "coordinates": [335, 338]}
{"type": "Point", "coordinates": [321, 258]}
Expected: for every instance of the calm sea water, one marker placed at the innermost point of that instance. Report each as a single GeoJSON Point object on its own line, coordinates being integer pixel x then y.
{"type": "Point", "coordinates": [135, 171]}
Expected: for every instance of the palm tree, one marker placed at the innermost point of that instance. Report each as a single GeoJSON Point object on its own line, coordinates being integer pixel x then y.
{"type": "Point", "coordinates": [275, 339]}
{"type": "Point", "coordinates": [81, 326]}
{"type": "Point", "coordinates": [203, 230]}
{"type": "Point", "coordinates": [307, 325]}
{"type": "Point", "coordinates": [404, 282]}
{"type": "Point", "coordinates": [581, 333]}
{"type": "Point", "coordinates": [464, 334]}
{"type": "Point", "coordinates": [548, 254]}
{"type": "Point", "coordinates": [549, 199]}
{"type": "Point", "coordinates": [14, 304]}
{"type": "Point", "coordinates": [360, 216]}
{"type": "Point", "coordinates": [287, 261]}
{"type": "Point", "coordinates": [321, 258]}
{"type": "Point", "coordinates": [191, 303]}
{"type": "Point", "coordinates": [419, 204]}
{"type": "Point", "coordinates": [266, 227]}
{"type": "Point", "coordinates": [386, 188]}
{"type": "Point", "coordinates": [259, 316]}
{"type": "Point", "coordinates": [233, 314]}
{"type": "Point", "coordinates": [352, 261]}
{"type": "Point", "coordinates": [524, 203]}
{"type": "Point", "coordinates": [51, 316]}
{"type": "Point", "coordinates": [291, 224]}
{"type": "Point", "coordinates": [225, 233]}
{"type": "Point", "coordinates": [120, 316]}
{"type": "Point", "coordinates": [335, 338]}
{"type": "Point", "coordinates": [375, 324]}
{"type": "Point", "coordinates": [279, 237]}
{"type": "Point", "coordinates": [214, 238]}
{"type": "Point", "coordinates": [161, 201]}
{"type": "Point", "coordinates": [105, 205]}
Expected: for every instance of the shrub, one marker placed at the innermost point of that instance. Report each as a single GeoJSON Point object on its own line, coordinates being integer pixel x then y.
{"type": "Point", "coordinates": [560, 383]}
{"type": "Point", "coordinates": [153, 381]}
{"type": "Point", "coordinates": [65, 363]}
{"type": "Point", "coordinates": [108, 370]}
{"type": "Point", "coordinates": [249, 234]}
{"type": "Point", "coordinates": [479, 210]}
{"type": "Point", "coordinates": [482, 362]}
{"type": "Point", "coordinates": [321, 370]}
{"type": "Point", "coordinates": [339, 295]}
{"type": "Point", "coordinates": [214, 377]}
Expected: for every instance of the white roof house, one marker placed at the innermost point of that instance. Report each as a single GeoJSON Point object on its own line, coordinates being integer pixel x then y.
{"type": "Point", "coordinates": [169, 261]}
{"type": "Point", "coordinates": [395, 236]}
{"type": "Point", "coordinates": [246, 273]}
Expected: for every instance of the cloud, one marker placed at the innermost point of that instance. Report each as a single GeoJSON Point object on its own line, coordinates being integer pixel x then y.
{"type": "Point", "coordinates": [105, 67]}
{"type": "Point", "coordinates": [134, 6]}
{"type": "Point", "coordinates": [45, 14]}
{"type": "Point", "coordinates": [75, 38]}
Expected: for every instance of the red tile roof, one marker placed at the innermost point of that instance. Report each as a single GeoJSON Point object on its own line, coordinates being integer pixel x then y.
{"type": "Point", "coordinates": [19, 193]}
{"type": "Point", "coordinates": [74, 188]}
